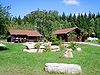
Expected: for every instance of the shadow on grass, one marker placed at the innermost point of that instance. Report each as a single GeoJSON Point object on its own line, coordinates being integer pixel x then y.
{"type": "Point", "coordinates": [3, 48]}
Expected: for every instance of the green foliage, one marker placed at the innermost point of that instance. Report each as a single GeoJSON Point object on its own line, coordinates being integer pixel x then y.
{"type": "Point", "coordinates": [3, 36]}
{"type": "Point", "coordinates": [63, 16]}
{"type": "Point", "coordinates": [73, 46]}
{"type": "Point", "coordinates": [72, 34]}
{"type": "Point", "coordinates": [98, 41]}
{"type": "Point", "coordinates": [47, 48]}
{"type": "Point", "coordinates": [43, 21]}
{"type": "Point", "coordinates": [60, 42]}
{"type": "Point", "coordinates": [46, 22]}
{"type": "Point", "coordinates": [54, 40]}
{"type": "Point", "coordinates": [97, 27]}
{"type": "Point", "coordinates": [4, 19]}
{"type": "Point", "coordinates": [37, 45]}
{"type": "Point", "coordinates": [91, 26]}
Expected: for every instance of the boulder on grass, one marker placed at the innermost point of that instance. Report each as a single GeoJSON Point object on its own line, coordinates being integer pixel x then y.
{"type": "Point", "coordinates": [63, 68]}
{"type": "Point", "coordinates": [3, 47]}
{"type": "Point", "coordinates": [68, 54]}
{"type": "Point", "coordinates": [78, 49]}
{"type": "Point", "coordinates": [30, 45]}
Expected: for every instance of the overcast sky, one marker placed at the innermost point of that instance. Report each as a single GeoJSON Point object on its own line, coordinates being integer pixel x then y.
{"type": "Point", "coordinates": [23, 7]}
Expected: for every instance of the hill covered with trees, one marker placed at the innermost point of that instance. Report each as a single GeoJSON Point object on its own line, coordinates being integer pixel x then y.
{"type": "Point", "coordinates": [48, 21]}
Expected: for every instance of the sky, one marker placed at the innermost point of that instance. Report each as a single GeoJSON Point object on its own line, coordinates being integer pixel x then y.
{"type": "Point", "coordinates": [23, 7]}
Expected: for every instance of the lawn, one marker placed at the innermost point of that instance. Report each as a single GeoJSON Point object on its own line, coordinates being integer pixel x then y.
{"type": "Point", "coordinates": [16, 62]}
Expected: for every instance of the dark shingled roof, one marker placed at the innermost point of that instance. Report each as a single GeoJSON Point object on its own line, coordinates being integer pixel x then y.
{"type": "Point", "coordinates": [24, 32]}
{"type": "Point", "coordinates": [65, 31]}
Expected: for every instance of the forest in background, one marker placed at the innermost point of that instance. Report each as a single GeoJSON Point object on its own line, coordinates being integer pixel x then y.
{"type": "Point", "coordinates": [47, 22]}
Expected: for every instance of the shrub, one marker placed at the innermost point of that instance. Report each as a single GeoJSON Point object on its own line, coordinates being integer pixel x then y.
{"type": "Point", "coordinates": [60, 42]}
{"type": "Point", "coordinates": [73, 46]}
{"type": "Point", "coordinates": [54, 40]}
{"type": "Point", "coordinates": [62, 47]}
{"type": "Point", "coordinates": [37, 45]}
{"type": "Point", "coordinates": [99, 41]}
{"type": "Point", "coordinates": [3, 36]}
{"type": "Point", "coordinates": [47, 48]}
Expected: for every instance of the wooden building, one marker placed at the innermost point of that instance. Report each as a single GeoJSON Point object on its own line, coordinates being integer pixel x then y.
{"type": "Point", "coordinates": [69, 34]}
{"type": "Point", "coordinates": [20, 36]}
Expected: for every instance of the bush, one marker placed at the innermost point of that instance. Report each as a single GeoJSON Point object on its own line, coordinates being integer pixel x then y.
{"type": "Point", "coordinates": [3, 36]}
{"type": "Point", "coordinates": [99, 41]}
{"type": "Point", "coordinates": [37, 45]}
{"type": "Point", "coordinates": [60, 42]}
{"type": "Point", "coordinates": [54, 40]}
{"type": "Point", "coordinates": [47, 48]}
{"type": "Point", "coordinates": [62, 47]}
{"type": "Point", "coordinates": [73, 46]}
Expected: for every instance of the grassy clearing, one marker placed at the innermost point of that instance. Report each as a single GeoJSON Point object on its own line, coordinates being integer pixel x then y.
{"type": "Point", "coordinates": [16, 62]}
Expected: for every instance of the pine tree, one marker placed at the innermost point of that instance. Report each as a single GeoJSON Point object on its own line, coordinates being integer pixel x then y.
{"type": "Point", "coordinates": [19, 20]}
{"type": "Point", "coordinates": [63, 16]}
{"type": "Point", "coordinates": [91, 26]}
{"type": "Point", "coordinates": [97, 27]}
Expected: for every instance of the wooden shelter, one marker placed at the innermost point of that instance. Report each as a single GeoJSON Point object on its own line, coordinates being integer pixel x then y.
{"type": "Point", "coordinates": [69, 34]}
{"type": "Point", "coordinates": [23, 36]}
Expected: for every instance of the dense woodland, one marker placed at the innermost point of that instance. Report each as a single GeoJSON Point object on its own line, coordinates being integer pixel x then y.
{"type": "Point", "coordinates": [48, 21]}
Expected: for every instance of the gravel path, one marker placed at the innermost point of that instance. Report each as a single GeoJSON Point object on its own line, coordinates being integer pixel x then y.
{"type": "Point", "coordinates": [88, 43]}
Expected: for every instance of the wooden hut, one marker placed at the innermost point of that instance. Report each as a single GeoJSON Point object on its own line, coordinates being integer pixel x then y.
{"type": "Point", "coordinates": [23, 36]}
{"type": "Point", "coordinates": [69, 34]}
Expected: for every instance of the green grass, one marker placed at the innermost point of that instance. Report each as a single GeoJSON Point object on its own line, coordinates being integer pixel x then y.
{"type": "Point", "coordinates": [16, 62]}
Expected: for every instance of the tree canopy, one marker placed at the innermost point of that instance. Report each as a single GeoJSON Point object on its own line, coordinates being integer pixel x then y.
{"type": "Point", "coordinates": [4, 19]}
{"type": "Point", "coordinates": [46, 22]}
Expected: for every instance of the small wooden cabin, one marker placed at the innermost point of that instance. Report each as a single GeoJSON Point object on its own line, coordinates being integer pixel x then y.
{"type": "Point", "coordinates": [69, 34]}
{"type": "Point", "coordinates": [19, 36]}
